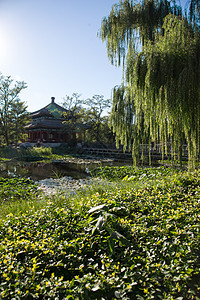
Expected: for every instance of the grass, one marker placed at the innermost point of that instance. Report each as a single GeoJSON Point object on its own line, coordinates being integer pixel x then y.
{"type": "Point", "coordinates": [132, 236]}
{"type": "Point", "coordinates": [32, 154]}
{"type": "Point", "coordinates": [26, 154]}
{"type": "Point", "coordinates": [17, 195]}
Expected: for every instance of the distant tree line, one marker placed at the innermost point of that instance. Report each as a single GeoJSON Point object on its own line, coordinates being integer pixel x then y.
{"type": "Point", "coordinates": [93, 112]}
{"type": "Point", "coordinates": [14, 116]}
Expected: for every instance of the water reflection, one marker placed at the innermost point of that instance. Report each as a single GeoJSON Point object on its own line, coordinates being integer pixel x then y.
{"type": "Point", "coordinates": [38, 171]}
{"type": "Point", "coordinates": [55, 169]}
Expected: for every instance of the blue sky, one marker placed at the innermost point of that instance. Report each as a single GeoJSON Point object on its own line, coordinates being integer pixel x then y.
{"type": "Point", "coordinates": [53, 46]}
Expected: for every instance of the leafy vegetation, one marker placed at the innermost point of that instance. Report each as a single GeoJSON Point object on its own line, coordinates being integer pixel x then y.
{"type": "Point", "coordinates": [18, 195]}
{"type": "Point", "coordinates": [133, 241]}
{"type": "Point", "coordinates": [27, 154]}
{"type": "Point", "coordinates": [158, 101]}
{"type": "Point", "coordinates": [36, 153]}
{"type": "Point", "coordinates": [13, 112]}
{"type": "Point", "coordinates": [13, 189]}
{"type": "Point", "coordinates": [93, 114]}
{"type": "Point", "coordinates": [129, 173]}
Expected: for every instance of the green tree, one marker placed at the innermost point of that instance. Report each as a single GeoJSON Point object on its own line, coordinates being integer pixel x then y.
{"type": "Point", "coordinates": [74, 114]}
{"type": "Point", "coordinates": [88, 113]}
{"type": "Point", "coordinates": [74, 110]}
{"type": "Point", "coordinates": [194, 11]}
{"type": "Point", "coordinates": [96, 106]}
{"type": "Point", "coordinates": [106, 134]}
{"type": "Point", "coordinates": [13, 115]}
{"type": "Point", "coordinates": [73, 102]}
{"type": "Point", "coordinates": [159, 98]}
{"type": "Point", "coordinates": [19, 117]}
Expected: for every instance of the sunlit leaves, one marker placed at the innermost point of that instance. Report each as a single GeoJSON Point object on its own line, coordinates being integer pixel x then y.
{"type": "Point", "coordinates": [13, 189]}
{"type": "Point", "coordinates": [13, 113]}
{"type": "Point", "coordinates": [145, 243]}
{"type": "Point", "coordinates": [160, 90]}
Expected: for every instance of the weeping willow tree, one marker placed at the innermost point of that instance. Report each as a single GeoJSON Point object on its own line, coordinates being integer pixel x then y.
{"type": "Point", "coordinates": [193, 8]}
{"type": "Point", "coordinates": [159, 98]}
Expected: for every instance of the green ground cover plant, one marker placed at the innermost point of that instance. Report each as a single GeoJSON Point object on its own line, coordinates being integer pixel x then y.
{"type": "Point", "coordinates": [13, 189]}
{"type": "Point", "coordinates": [137, 240]}
{"type": "Point", "coordinates": [130, 173]}
{"type": "Point", "coordinates": [17, 195]}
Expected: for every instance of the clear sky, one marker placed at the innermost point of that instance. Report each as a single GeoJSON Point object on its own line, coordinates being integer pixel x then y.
{"type": "Point", "coordinates": [53, 46]}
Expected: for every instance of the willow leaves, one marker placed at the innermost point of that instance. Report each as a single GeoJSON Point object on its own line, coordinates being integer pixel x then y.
{"type": "Point", "coordinates": [159, 98]}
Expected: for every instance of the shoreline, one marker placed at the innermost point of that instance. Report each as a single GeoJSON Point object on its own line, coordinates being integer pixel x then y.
{"type": "Point", "coordinates": [52, 186]}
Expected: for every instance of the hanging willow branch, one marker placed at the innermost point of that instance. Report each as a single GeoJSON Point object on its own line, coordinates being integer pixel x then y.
{"type": "Point", "coordinates": [133, 24]}
{"type": "Point", "coordinates": [168, 92]}
{"type": "Point", "coordinates": [161, 75]}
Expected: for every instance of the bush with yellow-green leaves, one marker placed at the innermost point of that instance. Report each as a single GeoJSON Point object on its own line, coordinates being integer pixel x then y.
{"type": "Point", "coordinates": [127, 243]}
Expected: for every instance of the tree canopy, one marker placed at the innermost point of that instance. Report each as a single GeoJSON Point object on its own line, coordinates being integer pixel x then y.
{"type": "Point", "coordinates": [92, 113]}
{"type": "Point", "coordinates": [99, 128]}
{"type": "Point", "coordinates": [13, 113]}
{"type": "Point", "coordinates": [159, 97]}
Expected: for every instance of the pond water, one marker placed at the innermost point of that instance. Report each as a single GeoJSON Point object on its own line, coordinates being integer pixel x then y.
{"type": "Point", "coordinates": [57, 169]}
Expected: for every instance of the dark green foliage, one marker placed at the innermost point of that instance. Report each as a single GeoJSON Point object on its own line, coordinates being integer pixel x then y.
{"type": "Point", "coordinates": [129, 243]}
{"type": "Point", "coordinates": [131, 173]}
{"type": "Point", "coordinates": [26, 153]}
{"type": "Point", "coordinates": [99, 130]}
{"type": "Point", "coordinates": [13, 112]}
{"type": "Point", "coordinates": [35, 154]}
{"type": "Point", "coordinates": [88, 114]}
{"type": "Point", "coordinates": [14, 189]}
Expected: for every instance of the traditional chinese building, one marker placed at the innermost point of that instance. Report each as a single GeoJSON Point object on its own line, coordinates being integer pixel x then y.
{"type": "Point", "coordinates": [47, 125]}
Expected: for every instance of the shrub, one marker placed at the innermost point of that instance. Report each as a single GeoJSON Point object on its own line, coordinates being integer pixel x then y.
{"type": "Point", "coordinates": [128, 243]}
